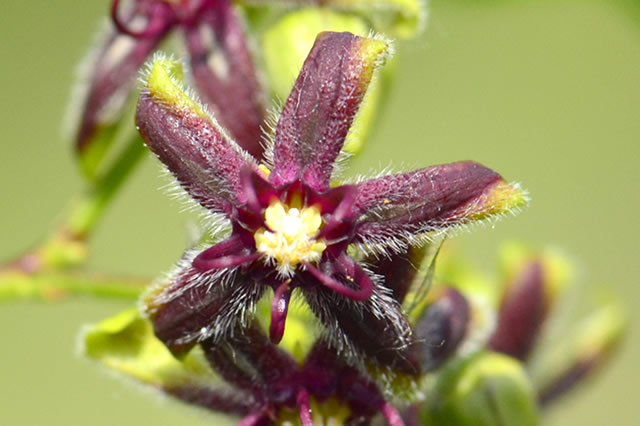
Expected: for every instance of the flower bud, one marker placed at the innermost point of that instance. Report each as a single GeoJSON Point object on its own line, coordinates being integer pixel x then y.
{"type": "Point", "coordinates": [105, 82]}
{"type": "Point", "coordinates": [533, 287]}
{"type": "Point", "coordinates": [594, 342]}
{"type": "Point", "coordinates": [486, 389]}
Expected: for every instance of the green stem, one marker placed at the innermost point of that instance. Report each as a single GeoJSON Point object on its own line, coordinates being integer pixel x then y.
{"type": "Point", "coordinates": [86, 212]}
{"type": "Point", "coordinates": [49, 286]}
{"type": "Point", "coordinates": [67, 246]}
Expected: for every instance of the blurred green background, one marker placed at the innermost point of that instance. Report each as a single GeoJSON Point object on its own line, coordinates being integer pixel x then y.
{"type": "Point", "coordinates": [545, 92]}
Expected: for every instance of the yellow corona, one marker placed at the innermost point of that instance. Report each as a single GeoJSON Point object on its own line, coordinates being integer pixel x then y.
{"type": "Point", "coordinates": [292, 236]}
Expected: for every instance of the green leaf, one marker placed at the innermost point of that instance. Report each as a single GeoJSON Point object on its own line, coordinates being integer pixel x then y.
{"type": "Point", "coordinates": [126, 343]}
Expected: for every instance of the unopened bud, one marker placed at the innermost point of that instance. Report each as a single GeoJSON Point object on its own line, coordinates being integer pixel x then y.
{"type": "Point", "coordinates": [442, 328]}
{"type": "Point", "coordinates": [486, 389]}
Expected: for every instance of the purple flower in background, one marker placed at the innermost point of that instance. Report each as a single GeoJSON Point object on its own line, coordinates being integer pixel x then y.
{"type": "Point", "coordinates": [270, 382]}
{"type": "Point", "coordinates": [291, 229]}
{"type": "Point", "coordinates": [219, 59]}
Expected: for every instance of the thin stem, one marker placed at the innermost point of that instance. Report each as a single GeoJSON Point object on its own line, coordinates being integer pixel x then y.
{"type": "Point", "coordinates": [87, 211]}
{"type": "Point", "coordinates": [51, 286]}
{"type": "Point", "coordinates": [67, 246]}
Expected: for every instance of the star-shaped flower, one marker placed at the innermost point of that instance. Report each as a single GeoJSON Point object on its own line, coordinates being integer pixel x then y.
{"type": "Point", "coordinates": [290, 227]}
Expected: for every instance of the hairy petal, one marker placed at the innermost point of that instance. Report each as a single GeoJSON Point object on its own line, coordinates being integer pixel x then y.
{"type": "Point", "coordinates": [375, 327]}
{"type": "Point", "coordinates": [320, 374]}
{"type": "Point", "coordinates": [248, 359]}
{"type": "Point", "coordinates": [399, 270]}
{"type": "Point", "coordinates": [225, 401]}
{"type": "Point", "coordinates": [224, 73]}
{"type": "Point", "coordinates": [198, 305]}
{"type": "Point", "coordinates": [189, 142]}
{"type": "Point", "coordinates": [323, 103]}
{"type": "Point", "coordinates": [436, 198]}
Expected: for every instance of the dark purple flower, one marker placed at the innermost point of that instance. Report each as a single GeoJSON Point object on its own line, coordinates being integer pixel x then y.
{"type": "Point", "coordinates": [290, 228]}
{"type": "Point", "coordinates": [273, 383]}
{"type": "Point", "coordinates": [219, 59]}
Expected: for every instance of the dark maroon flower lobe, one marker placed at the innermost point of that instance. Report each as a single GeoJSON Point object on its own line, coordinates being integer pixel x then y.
{"type": "Point", "coordinates": [399, 270]}
{"type": "Point", "coordinates": [376, 328]}
{"type": "Point", "coordinates": [399, 207]}
{"type": "Point", "coordinates": [248, 360]}
{"type": "Point", "coordinates": [189, 142]}
{"type": "Point", "coordinates": [197, 305]}
{"type": "Point", "coordinates": [322, 105]}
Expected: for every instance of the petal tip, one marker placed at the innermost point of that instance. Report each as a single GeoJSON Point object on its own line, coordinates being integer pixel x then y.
{"type": "Point", "coordinates": [164, 83]}
{"type": "Point", "coordinates": [504, 197]}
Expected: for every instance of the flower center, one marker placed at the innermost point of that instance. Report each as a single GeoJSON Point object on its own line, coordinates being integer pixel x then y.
{"type": "Point", "coordinates": [293, 238]}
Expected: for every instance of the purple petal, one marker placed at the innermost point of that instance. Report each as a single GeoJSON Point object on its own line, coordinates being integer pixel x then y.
{"type": "Point", "coordinates": [321, 370]}
{"type": "Point", "coordinates": [522, 312]}
{"type": "Point", "coordinates": [248, 353]}
{"type": "Point", "coordinates": [399, 270]}
{"type": "Point", "coordinates": [363, 395]}
{"type": "Point", "coordinates": [229, 253]}
{"type": "Point", "coordinates": [258, 192]}
{"type": "Point", "coordinates": [441, 328]}
{"type": "Point", "coordinates": [236, 403]}
{"type": "Point", "coordinates": [197, 305]}
{"type": "Point", "coordinates": [222, 359]}
{"type": "Point", "coordinates": [193, 147]}
{"type": "Point", "coordinates": [224, 73]}
{"type": "Point", "coordinates": [279, 309]}
{"type": "Point", "coordinates": [113, 70]}
{"type": "Point", "coordinates": [375, 329]}
{"type": "Point", "coordinates": [323, 103]}
{"type": "Point", "coordinates": [341, 276]}
{"type": "Point", "coordinates": [436, 198]}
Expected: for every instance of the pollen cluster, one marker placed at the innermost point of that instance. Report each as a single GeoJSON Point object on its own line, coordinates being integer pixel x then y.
{"type": "Point", "coordinates": [291, 238]}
